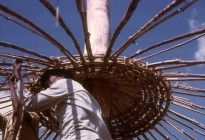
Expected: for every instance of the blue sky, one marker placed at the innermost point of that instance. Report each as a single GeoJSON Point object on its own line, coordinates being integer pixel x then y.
{"type": "Point", "coordinates": [191, 19]}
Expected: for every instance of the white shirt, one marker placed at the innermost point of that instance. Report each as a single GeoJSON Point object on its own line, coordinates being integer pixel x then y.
{"type": "Point", "coordinates": [78, 113]}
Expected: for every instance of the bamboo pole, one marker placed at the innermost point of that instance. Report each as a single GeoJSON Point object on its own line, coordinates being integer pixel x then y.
{"type": "Point", "coordinates": [151, 134]}
{"type": "Point", "coordinates": [189, 94]}
{"type": "Point", "coordinates": [147, 25]}
{"type": "Point", "coordinates": [184, 79]}
{"type": "Point", "coordinates": [188, 108]}
{"type": "Point", "coordinates": [144, 136]}
{"type": "Point", "coordinates": [25, 58]}
{"type": "Point", "coordinates": [51, 39]}
{"type": "Point", "coordinates": [180, 65]}
{"type": "Point", "coordinates": [185, 124]}
{"type": "Point", "coordinates": [139, 52]}
{"type": "Point", "coordinates": [179, 129]}
{"type": "Point", "coordinates": [192, 121]}
{"type": "Point", "coordinates": [98, 26]}
{"type": "Point", "coordinates": [189, 88]}
{"type": "Point", "coordinates": [9, 45]}
{"type": "Point", "coordinates": [83, 14]}
{"type": "Point", "coordinates": [65, 27]}
{"type": "Point", "coordinates": [133, 5]}
{"type": "Point", "coordinates": [55, 137]}
{"type": "Point", "coordinates": [173, 47]}
{"type": "Point", "coordinates": [161, 134]}
{"type": "Point", "coordinates": [178, 74]}
{"type": "Point", "coordinates": [189, 34]}
{"type": "Point", "coordinates": [22, 25]}
{"type": "Point", "coordinates": [165, 128]}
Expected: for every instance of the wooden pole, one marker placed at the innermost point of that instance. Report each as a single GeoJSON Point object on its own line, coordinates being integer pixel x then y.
{"type": "Point", "coordinates": [99, 35]}
{"type": "Point", "coordinates": [98, 26]}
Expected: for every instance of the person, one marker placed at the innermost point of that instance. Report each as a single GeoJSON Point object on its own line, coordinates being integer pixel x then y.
{"type": "Point", "coordinates": [17, 126]}
{"type": "Point", "coordinates": [29, 127]}
{"type": "Point", "coordinates": [78, 113]}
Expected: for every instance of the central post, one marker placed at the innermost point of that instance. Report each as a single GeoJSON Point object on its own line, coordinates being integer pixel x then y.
{"type": "Point", "coordinates": [99, 30]}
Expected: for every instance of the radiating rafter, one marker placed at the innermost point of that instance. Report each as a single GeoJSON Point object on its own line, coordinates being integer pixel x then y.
{"type": "Point", "coordinates": [51, 39]}
{"type": "Point", "coordinates": [184, 124]}
{"type": "Point", "coordinates": [189, 94]}
{"type": "Point", "coordinates": [25, 58]}
{"type": "Point", "coordinates": [144, 28]}
{"type": "Point", "coordinates": [179, 129]}
{"type": "Point", "coordinates": [160, 133]}
{"type": "Point", "coordinates": [189, 34]}
{"type": "Point", "coordinates": [22, 25]}
{"type": "Point", "coordinates": [133, 5]}
{"type": "Point", "coordinates": [192, 121]}
{"type": "Point", "coordinates": [82, 10]}
{"type": "Point", "coordinates": [181, 64]}
{"type": "Point", "coordinates": [65, 27]}
{"type": "Point", "coordinates": [9, 45]}
{"type": "Point", "coordinates": [166, 129]}
{"type": "Point", "coordinates": [189, 88]}
{"type": "Point", "coordinates": [173, 47]}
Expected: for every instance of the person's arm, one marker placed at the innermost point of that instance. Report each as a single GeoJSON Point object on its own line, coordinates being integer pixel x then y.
{"type": "Point", "coordinates": [16, 118]}
{"type": "Point", "coordinates": [45, 99]}
{"type": "Point", "coordinates": [14, 98]}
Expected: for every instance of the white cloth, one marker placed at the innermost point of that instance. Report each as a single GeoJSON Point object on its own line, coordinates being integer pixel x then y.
{"type": "Point", "coordinates": [78, 113]}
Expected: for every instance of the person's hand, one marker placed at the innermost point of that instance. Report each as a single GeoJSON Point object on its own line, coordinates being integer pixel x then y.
{"type": "Point", "coordinates": [17, 68]}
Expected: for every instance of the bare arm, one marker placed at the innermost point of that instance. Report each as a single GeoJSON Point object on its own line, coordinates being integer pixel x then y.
{"type": "Point", "coordinates": [14, 98]}
{"type": "Point", "coordinates": [15, 102]}
{"type": "Point", "coordinates": [16, 75]}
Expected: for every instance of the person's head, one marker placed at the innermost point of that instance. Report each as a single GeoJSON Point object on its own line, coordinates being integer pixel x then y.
{"type": "Point", "coordinates": [50, 76]}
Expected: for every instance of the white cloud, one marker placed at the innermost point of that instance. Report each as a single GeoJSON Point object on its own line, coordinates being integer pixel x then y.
{"type": "Point", "coordinates": [194, 25]}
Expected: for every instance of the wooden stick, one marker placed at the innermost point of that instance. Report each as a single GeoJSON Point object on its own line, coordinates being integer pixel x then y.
{"type": "Point", "coordinates": [200, 31]}
{"type": "Point", "coordinates": [9, 105]}
{"type": "Point", "coordinates": [189, 94]}
{"type": "Point", "coordinates": [6, 96]}
{"type": "Point", "coordinates": [5, 101]}
{"type": "Point", "coordinates": [189, 88]}
{"type": "Point", "coordinates": [144, 28]}
{"type": "Point", "coordinates": [133, 5]}
{"type": "Point", "coordinates": [160, 133]}
{"type": "Point", "coordinates": [144, 136]}
{"type": "Point", "coordinates": [43, 133]}
{"type": "Point", "coordinates": [184, 79]}
{"type": "Point", "coordinates": [47, 4]}
{"type": "Point", "coordinates": [190, 104]}
{"type": "Point", "coordinates": [179, 129]}
{"type": "Point", "coordinates": [9, 113]}
{"type": "Point", "coordinates": [48, 134]}
{"type": "Point", "coordinates": [9, 45]}
{"type": "Point", "coordinates": [165, 128]}
{"type": "Point", "coordinates": [52, 40]}
{"type": "Point", "coordinates": [178, 74]}
{"type": "Point", "coordinates": [85, 28]}
{"type": "Point", "coordinates": [22, 25]}
{"type": "Point", "coordinates": [24, 58]}
{"type": "Point", "coordinates": [185, 124]}
{"type": "Point", "coordinates": [188, 108]}
{"type": "Point", "coordinates": [181, 64]}
{"type": "Point", "coordinates": [151, 134]}
{"type": "Point", "coordinates": [173, 47]}
{"type": "Point", "coordinates": [192, 121]}
{"type": "Point", "coordinates": [55, 137]}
